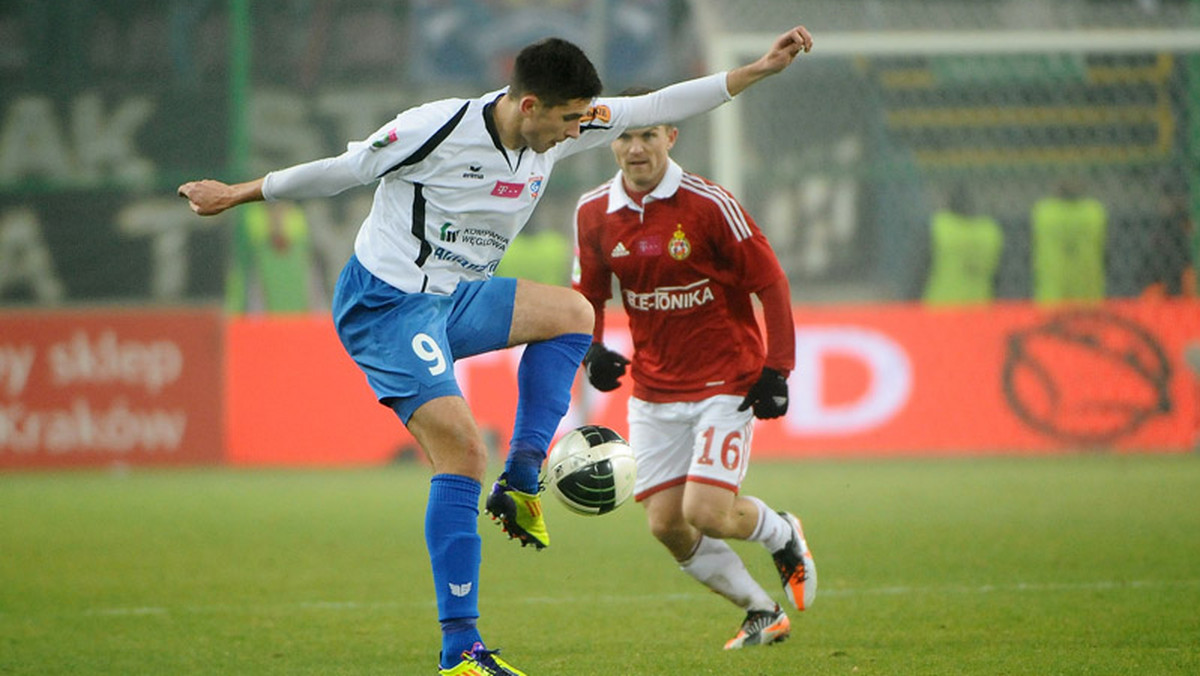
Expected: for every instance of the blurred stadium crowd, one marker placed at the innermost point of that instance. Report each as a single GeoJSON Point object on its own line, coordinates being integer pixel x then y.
{"type": "Point", "coordinates": [105, 107]}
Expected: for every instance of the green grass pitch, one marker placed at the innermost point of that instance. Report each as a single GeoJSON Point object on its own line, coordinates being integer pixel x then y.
{"type": "Point", "coordinates": [1081, 564]}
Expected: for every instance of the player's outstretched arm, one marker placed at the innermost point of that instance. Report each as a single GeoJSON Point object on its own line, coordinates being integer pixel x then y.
{"type": "Point", "coordinates": [209, 197]}
{"type": "Point", "coordinates": [783, 51]}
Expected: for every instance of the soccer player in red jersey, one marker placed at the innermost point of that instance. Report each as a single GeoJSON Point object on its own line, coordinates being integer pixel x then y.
{"type": "Point", "coordinates": [687, 258]}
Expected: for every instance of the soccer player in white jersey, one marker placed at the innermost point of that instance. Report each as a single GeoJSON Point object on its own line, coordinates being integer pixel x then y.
{"type": "Point", "coordinates": [455, 181]}
{"type": "Point", "coordinates": [687, 258]}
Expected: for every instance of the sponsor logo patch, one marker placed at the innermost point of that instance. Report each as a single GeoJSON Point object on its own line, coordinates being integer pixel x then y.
{"type": "Point", "coordinates": [475, 237]}
{"type": "Point", "coordinates": [508, 190]}
{"type": "Point", "coordinates": [648, 246]}
{"type": "Point", "coordinates": [671, 298]}
{"type": "Point", "coordinates": [487, 267]}
{"type": "Point", "coordinates": [619, 251]}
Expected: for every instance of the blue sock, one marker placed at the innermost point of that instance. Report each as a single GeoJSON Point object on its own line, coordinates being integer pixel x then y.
{"type": "Point", "coordinates": [458, 636]}
{"type": "Point", "coordinates": [452, 537]}
{"type": "Point", "coordinates": [544, 381]}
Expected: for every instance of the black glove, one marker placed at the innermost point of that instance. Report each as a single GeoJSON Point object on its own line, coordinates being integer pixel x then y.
{"type": "Point", "coordinates": [768, 396]}
{"type": "Point", "coordinates": [604, 367]}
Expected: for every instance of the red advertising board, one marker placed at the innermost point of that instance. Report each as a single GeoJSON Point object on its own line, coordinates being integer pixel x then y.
{"type": "Point", "coordinates": [85, 388]}
{"type": "Point", "coordinates": [295, 397]}
{"type": "Point", "coordinates": [1011, 378]}
{"type": "Point", "coordinates": [92, 388]}
{"type": "Point", "coordinates": [870, 380]}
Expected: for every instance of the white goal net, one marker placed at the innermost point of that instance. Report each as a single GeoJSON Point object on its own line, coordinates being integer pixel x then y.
{"type": "Point", "coordinates": [903, 100]}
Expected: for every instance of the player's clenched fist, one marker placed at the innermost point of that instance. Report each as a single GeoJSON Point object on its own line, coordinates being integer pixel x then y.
{"type": "Point", "coordinates": [768, 396]}
{"type": "Point", "coordinates": [209, 197]}
{"type": "Point", "coordinates": [604, 367]}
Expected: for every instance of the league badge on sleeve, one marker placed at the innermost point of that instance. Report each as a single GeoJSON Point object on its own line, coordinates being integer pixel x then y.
{"type": "Point", "coordinates": [597, 114]}
{"type": "Point", "coordinates": [384, 139]}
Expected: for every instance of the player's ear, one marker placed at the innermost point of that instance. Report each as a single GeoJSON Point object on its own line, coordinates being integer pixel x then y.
{"type": "Point", "coordinates": [528, 104]}
{"type": "Point", "coordinates": [672, 135]}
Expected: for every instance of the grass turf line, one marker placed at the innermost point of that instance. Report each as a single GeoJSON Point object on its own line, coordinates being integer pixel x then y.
{"type": "Point", "coordinates": [1071, 564]}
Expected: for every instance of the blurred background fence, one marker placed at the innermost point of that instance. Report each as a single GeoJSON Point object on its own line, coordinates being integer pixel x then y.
{"type": "Point", "coordinates": [904, 107]}
{"type": "Point", "coordinates": [106, 106]}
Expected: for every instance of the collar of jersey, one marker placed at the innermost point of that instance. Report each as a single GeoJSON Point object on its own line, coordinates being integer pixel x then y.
{"type": "Point", "coordinates": [618, 199]}
{"type": "Point", "coordinates": [489, 123]}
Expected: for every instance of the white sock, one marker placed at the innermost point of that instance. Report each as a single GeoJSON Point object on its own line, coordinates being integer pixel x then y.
{"type": "Point", "coordinates": [716, 566]}
{"type": "Point", "coordinates": [773, 531]}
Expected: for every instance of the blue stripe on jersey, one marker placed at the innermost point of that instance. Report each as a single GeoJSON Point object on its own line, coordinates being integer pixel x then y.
{"type": "Point", "coordinates": [432, 143]}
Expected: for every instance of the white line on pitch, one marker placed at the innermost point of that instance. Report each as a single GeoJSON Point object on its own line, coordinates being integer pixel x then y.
{"type": "Point", "coordinates": [659, 598]}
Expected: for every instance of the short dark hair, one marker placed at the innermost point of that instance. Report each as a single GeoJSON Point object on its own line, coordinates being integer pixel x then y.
{"type": "Point", "coordinates": [555, 71]}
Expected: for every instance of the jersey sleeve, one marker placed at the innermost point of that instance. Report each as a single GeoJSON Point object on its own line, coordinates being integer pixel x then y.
{"type": "Point", "coordinates": [776, 299]}
{"type": "Point", "coordinates": [319, 178]}
{"type": "Point", "coordinates": [756, 261]}
{"type": "Point", "coordinates": [591, 276]}
{"type": "Point", "coordinates": [609, 116]}
{"type": "Point", "coordinates": [751, 263]}
{"type": "Point", "coordinates": [669, 104]}
{"type": "Point", "coordinates": [393, 146]}
{"type": "Point", "coordinates": [755, 268]}
{"type": "Point", "coordinates": [366, 161]}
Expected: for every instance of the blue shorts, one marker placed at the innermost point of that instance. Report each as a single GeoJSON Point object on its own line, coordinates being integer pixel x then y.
{"type": "Point", "coordinates": [407, 343]}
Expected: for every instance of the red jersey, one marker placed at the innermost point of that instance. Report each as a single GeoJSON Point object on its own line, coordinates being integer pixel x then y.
{"type": "Point", "coordinates": [686, 261]}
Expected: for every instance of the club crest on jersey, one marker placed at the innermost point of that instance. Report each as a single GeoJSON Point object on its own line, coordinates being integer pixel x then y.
{"type": "Point", "coordinates": [679, 247]}
{"type": "Point", "coordinates": [508, 190]}
{"type": "Point", "coordinates": [385, 139]}
{"type": "Point", "coordinates": [535, 185]}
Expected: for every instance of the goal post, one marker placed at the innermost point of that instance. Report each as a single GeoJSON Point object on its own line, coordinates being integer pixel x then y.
{"type": "Point", "coordinates": [873, 127]}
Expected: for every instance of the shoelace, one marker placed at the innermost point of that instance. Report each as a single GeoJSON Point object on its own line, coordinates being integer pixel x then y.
{"type": "Point", "coordinates": [484, 657]}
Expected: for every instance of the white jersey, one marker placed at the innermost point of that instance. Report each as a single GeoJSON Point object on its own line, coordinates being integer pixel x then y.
{"type": "Point", "coordinates": [450, 197]}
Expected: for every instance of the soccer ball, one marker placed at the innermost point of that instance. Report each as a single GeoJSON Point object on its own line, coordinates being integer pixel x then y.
{"type": "Point", "coordinates": [591, 470]}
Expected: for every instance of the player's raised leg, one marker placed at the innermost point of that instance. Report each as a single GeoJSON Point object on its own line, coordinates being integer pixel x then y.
{"type": "Point", "coordinates": [555, 325]}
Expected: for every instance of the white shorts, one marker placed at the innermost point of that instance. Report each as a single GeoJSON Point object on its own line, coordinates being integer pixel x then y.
{"type": "Point", "coordinates": [705, 441]}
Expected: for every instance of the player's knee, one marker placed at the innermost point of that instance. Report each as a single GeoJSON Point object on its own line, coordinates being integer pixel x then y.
{"type": "Point", "coordinates": [679, 541]}
{"type": "Point", "coordinates": [578, 315]}
{"type": "Point", "coordinates": [465, 456]}
{"type": "Point", "coordinates": [476, 454]}
{"type": "Point", "coordinates": [446, 432]}
{"type": "Point", "coordinates": [666, 530]}
{"type": "Point", "coordinates": [662, 532]}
